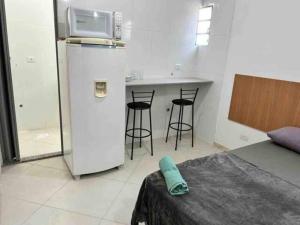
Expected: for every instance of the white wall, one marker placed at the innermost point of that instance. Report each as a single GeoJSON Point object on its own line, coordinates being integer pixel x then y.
{"type": "Point", "coordinates": [160, 34]}
{"type": "Point", "coordinates": [31, 34]}
{"type": "Point", "coordinates": [209, 62]}
{"type": "Point", "coordinates": [264, 42]}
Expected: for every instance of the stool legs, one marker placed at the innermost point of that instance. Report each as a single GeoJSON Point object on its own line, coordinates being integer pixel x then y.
{"type": "Point", "coordinates": [181, 122]}
{"type": "Point", "coordinates": [178, 127]}
{"type": "Point", "coordinates": [128, 111]}
{"type": "Point", "coordinates": [169, 123]}
{"type": "Point", "coordinates": [133, 132]}
{"type": "Point", "coordinates": [141, 133]}
{"type": "Point", "coordinates": [151, 132]}
{"type": "Point", "coordinates": [141, 123]}
{"type": "Point", "coordinates": [192, 125]}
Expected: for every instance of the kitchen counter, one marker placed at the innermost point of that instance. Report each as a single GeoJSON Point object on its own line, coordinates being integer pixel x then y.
{"type": "Point", "coordinates": [167, 81]}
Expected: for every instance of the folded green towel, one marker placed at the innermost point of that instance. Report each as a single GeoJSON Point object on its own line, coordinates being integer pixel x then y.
{"type": "Point", "coordinates": [175, 183]}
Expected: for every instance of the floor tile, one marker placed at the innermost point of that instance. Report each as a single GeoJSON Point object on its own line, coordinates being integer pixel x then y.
{"type": "Point", "coordinates": [123, 206]}
{"type": "Point", "coordinates": [16, 169]}
{"type": "Point", "coordinates": [123, 172]}
{"type": "Point", "coordinates": [145, 167]}
{"type": "Point", "coordinates": [138, 152]}
{"type": "Point", "coordinates": [36, 148]}
{"type": "Point", "coordinates": [14, 211]}
{"type": "Point", "coordinates": [107, 222]}
{"type": "Point", "coordinates": [90, 196]}
{"type": "Point", "coordinates": [150, 164]}
{"type": "Point", "coordinates": [36, 184]}
{"type": "Point", "coordinates": [110, 195]}
{"type": "Point", "coordinates": [39, 142]}
{"type": "Point", "coordinates": [55, 163]}
{"type": "Point", "coordinates": [51, 216]}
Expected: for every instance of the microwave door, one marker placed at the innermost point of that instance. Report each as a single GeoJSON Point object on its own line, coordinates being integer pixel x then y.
{"type": "Point", "coordinates": [87, 23]}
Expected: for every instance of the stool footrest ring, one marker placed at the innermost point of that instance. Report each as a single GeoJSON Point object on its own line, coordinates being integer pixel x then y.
{"type": "Point", "coordinates": [178, 123]}
{"type": "Point", "coordinates": [138, 129]}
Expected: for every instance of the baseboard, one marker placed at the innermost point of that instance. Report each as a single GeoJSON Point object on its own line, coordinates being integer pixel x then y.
{"type": "Point", "coordinates": [220, 146]}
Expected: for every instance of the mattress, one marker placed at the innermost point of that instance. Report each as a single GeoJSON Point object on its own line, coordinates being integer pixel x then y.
{"type": "Point", "coordinates": [273, 158]}
{"type": "Point", "coordinates": [225, 189]}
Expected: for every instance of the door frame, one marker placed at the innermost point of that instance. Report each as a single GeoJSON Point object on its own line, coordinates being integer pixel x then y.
{"type": "Point", "coordinates": [9, 142]}
{"type": "Point", "coordinates": [55, 5]}
{"type": "Point", "coordinates": [9, 134]}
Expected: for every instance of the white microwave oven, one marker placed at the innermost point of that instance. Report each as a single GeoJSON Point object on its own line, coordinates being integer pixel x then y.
{"type": "Point", "coordinates": [94, 24]}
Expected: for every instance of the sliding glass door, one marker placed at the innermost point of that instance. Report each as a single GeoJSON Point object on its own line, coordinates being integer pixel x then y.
{"type": "Point", "coordinates": [32, 47]}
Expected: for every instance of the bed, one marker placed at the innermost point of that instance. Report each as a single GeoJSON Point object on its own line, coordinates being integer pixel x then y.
{"type": "Point", "coordinates": [258, 184]}
{"type": "Point", "coordinates": [273, 158]}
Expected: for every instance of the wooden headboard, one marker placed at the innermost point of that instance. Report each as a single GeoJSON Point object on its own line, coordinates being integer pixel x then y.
{"type": "Point", "coordinates": [265, 104]}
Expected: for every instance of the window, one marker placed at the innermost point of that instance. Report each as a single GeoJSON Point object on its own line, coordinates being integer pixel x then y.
{"type": "Point", "coordinates": [204, 22]}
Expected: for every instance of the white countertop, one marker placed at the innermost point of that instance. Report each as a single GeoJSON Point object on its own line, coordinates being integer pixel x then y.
{"type": "Point", "coordinates": [167, 81]}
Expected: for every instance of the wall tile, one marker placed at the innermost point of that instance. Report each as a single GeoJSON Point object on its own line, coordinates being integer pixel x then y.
{"type": "Point", "coordinates": [162, 33]}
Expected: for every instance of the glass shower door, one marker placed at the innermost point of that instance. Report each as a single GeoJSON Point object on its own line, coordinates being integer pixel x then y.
{"type": "Point", "coordinates": [31, 38]}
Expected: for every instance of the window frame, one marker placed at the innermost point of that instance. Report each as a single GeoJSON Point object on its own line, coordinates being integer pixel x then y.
{"type": "Point", "coordinates": [206, 20]}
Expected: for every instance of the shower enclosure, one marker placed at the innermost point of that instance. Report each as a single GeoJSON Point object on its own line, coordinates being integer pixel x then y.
{"type": "Point", "coordinates": [32, 49]}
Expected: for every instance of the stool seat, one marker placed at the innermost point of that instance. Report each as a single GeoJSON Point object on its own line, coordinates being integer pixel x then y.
{"type": "Point", "coordinates": [139, 105]}
{"type": "Point", "coordinates": [182, 102]}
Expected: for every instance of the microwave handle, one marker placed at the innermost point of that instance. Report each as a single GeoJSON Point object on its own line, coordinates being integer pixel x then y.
{"type": "Point", "coordinates": [118, 20]}
{"type": "Point", "coordinates": [69, 23]}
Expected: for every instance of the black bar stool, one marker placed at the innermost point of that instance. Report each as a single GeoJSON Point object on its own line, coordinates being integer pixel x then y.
{"type": "Point", "coordinates": [187, 98]}
{"type": "Point", "coordinates": [141, 101]}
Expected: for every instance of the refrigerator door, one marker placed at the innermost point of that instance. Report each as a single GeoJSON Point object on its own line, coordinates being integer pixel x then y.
{"type": "Point", "coordinates": [98, 124]}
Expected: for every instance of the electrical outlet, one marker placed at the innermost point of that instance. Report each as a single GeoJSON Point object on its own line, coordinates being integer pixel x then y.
{"type": "Point", "coordinates": [30, 59]}
{"type": "Point", "coordinates": [244, 138]}
{"type": "Point", "coordinates": [178, 66]}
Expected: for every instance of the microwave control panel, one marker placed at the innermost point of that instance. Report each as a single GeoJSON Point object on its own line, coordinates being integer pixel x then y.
{"type": "Point", "coordinates": [118, 25]}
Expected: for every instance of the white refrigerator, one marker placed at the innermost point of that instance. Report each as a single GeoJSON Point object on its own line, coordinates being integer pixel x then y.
{"type": "Point", "coordinates": [92, 90]}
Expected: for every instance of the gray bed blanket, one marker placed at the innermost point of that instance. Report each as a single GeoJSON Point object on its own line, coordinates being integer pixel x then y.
{"type": "Point", "coordinates": [224, 190]}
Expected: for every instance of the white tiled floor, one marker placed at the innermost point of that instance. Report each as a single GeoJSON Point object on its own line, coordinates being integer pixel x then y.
{"type": "Point", "coordinates": [39, 142]}
{"type": "Point", "coordinates": [44, 193]}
